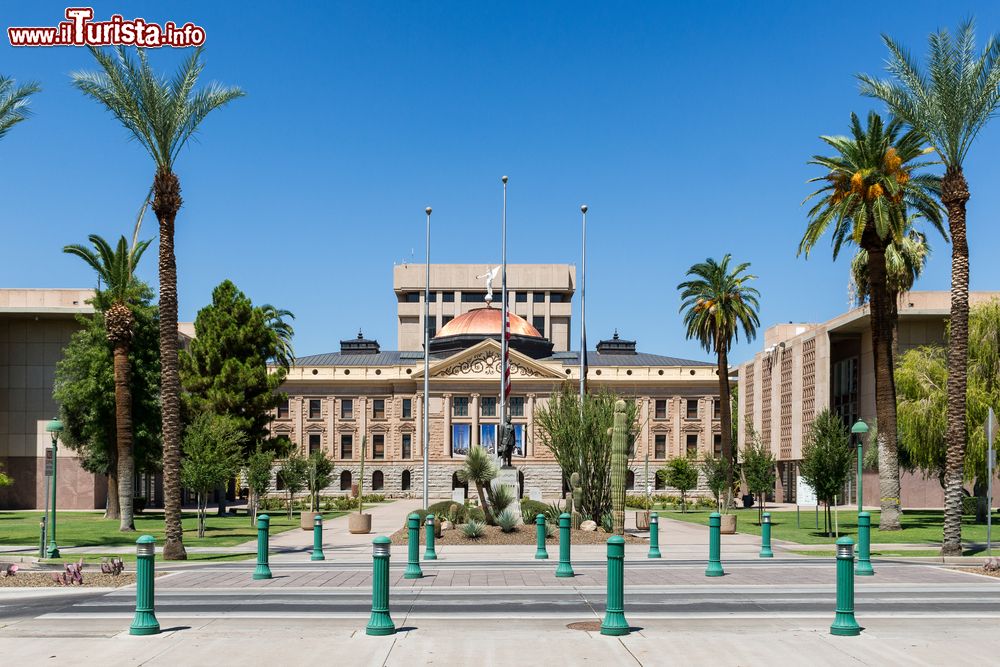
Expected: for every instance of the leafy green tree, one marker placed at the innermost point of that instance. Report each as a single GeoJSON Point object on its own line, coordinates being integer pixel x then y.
{"type": "Point", "coordinates": [871, 182]}
{"type": "Point", "coordinates": [758, 467]}
{"type": "Point", "coordinates": [120, 294]}
{"type": "Point", "coordinates": [320, 476]}
{"type": "Point", "coordinates": [827, 460]}
{"type": "Point", "coordinates": [580, 441]}
{"type": "Point", "coordinates": [161, 115]}
{"type": "Point", "coordinates": [682, 474]}
{"type": "Point", "coordinates": [948, 102]}
{"type": "Point", "coordinates": [14, 103]}
{"type": "Point", "coordinates": [258, 474]}
{"type": "Point", "coordinates": [718, 473]}
{"type": "Point", "coordinates": [5, 479]}
{"type": "Point", "coordinates": [294, 476]}
{"type": "Point", "coordinates": [479, 468]}
{"type": "Point", "coordinates": [86, 393]}
{"type": "Point", "coordinates": [717, 303]}
{"type": "Point", "coordinates": [212, 454]}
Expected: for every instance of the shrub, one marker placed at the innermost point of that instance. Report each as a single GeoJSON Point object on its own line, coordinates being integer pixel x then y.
{"type": "Point", "coordinates": [607, 522]}
{"type": "Point", "coordinates": [550, 530]}
{"type": "Point", "coordinates": [639, 502]}
{"type": "Point", "coordinates": [475, 514]}
{"type": "Point", "coordinates": [681, 474]}
{"type": "Point", "coordinates": [532, 508]}
{"type": "Point", "coordinates": [553, 510]}
{"type": "Point", "coordinates": [969, 505]}
{"type": "Point", "coordinates": [507, 521]}
{"type": "Point", "coordinates": [474, 529]}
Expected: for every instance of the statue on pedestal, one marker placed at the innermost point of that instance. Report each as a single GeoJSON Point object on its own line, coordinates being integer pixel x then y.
{"type": "Point", "coordinates": [505, 447]}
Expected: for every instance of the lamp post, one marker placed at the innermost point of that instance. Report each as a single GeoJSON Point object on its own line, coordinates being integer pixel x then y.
{"type": "Point", "coordinates": [859, 430]}
{"type": "Point", "coordinates": [427, 353]}
{"type": "Point", "coordinates": [54, 427]}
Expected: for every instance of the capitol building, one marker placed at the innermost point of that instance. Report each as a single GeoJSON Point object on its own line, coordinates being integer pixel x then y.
{"type": "Point", "coordinates": [361, 391]}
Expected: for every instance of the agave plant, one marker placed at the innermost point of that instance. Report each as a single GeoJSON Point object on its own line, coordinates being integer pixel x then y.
{"type": "Point", "coordinates": [507, 521]}
{"type": "Point", "coordinates": [473, 529]}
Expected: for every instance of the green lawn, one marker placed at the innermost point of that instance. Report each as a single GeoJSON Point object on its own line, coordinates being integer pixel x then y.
{"type": "Point", "coordinates": [919, 527]}
{"type": "Point", "coordinates": [90, 529]}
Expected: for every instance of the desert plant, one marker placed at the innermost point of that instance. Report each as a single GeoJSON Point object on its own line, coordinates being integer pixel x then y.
{"type": "Point", "coordinates": [501, 497]}
{"type": "Point", "coordinates": [532, 508]}
{"type": "Point", "coordinates": [9, 571]}
{"type": "Point", "coordinates": [479, 468]}
{"type": "Point", "coordinates": [619, 461]}
{"type": "Point", "coordinates": [550, 530]}
{"type": "Point", "coordinates": [552, 511]}
{"type": "Point", "coordinates": [71, 576]}
{"type": "Point", "coordinates": [113, 566]}
{"type": "Point", "coordinates": [474, 529]}
{"type": "Point", "coordinates": [608, 522]}
{"type": "Point", "coordinates": [507, 521]}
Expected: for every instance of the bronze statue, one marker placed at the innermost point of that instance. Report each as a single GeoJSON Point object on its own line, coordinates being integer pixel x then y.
{"type": "Point", "coordinates": [505, 448]}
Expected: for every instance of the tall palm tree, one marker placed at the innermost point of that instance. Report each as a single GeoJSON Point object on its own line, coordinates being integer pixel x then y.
{"type": "Point", "coordinates": [868, 187]}
{"type": "Point", "coordinates": [161, 116]}
{"type": "Point", "coordinates": [283, 333]}
{"type": "Point", "coordinates": [717, 303]}
{"type": "Point", "coordinates": [948, 103]}
{"type": "Point", "coordinates": [116, 269]}
{"type": "Point", "coordinates": [14, 103]}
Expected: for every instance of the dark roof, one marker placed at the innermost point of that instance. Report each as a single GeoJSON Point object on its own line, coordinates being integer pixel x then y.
{"type": "Point", "coordinates": [594, 359]}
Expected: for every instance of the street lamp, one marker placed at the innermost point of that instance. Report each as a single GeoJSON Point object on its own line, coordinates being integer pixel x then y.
{"type": "Point", "coordinates": [54, 427]}
{"type": "Point", "coordinates": [859, 430]}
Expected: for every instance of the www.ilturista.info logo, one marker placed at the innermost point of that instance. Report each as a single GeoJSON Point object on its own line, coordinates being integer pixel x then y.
{"type": "Point", "coordinates": [80, 30]}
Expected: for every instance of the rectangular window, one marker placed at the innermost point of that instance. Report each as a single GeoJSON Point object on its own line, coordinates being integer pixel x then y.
{"type": "Point", "coordinates": [314, 442]}
{"type": "Point", "coordinates": [538, 321]}
{"type": "Point", "coordinates": [517, 406]}
{"type": "Point", "coordinates": [407, 408]}
{"type": "Point", "coordinates": [347, 408]}
{"type": "Point", "coordinates": [413, 297]}
{"type": "Point", "coordinates": [519, 439]}
{"type": "Point", "coordinates": [521, 297]}
{"type": "Point", "coordinates": [460, 434]}
{"type": "Point", "coordinates": [717, 445]}
{"type": "Point", "coordinates": [660, 447]}
{"type": "Point", "coordinates": [488, 406]}
{"type": "Point", "coordinates": [445, 319]}
{"type": "Point", "coordinates": [448, 297]}
{"type": "Point", "coordinates": [538, 297]}
{"type": "Point", "coordinates": [378, 446]}
{"type": "Point", "coordinates": [315, 408]}
{"type": "Point", "coordinates": [716, 409]}
{"type": "Point", "coordinates": [488, 436]}
{"type": "Point", "coordinates": [407, 448]}
{"type": "Point", "coordinates": [692, 408]}
{"type": "Point", "coordinates": [556, 297]}
{"type": "Point", "coordinates": [346, 446]}
{"type": "Point", "coordinates": [460, 406]}
{"type": "Point", "coordinates": [431, 328]}
{"type": "Point", "coordinates": [433, 297]}
{"type": "Point", "coordinates": [692, 444]}
{"type": "Point", "coordinates": [378, 408]}
{"type": "Point", "coordinates": [660, 411]}
{"type": "Point", "coordinates": [473, 297]}
{"type": "Point", "coordinates": [283, 409]}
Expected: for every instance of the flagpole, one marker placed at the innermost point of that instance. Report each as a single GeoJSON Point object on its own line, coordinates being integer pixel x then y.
{"type": "Point", "coordinates": [427, 354]}
{"type": "Point", "coordinates": [503, 318]}
{"type": "Point", "coordinates": [583, 311]}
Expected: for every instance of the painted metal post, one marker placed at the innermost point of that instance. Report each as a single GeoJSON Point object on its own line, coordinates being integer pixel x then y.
{"type": "Point", "coordinates": [844, 624]}
{"type": "Point", "coordinates": [654, 535]}
{"type": "Point", "coordinates": [413, 570]}
{"type": "Point", "coordinates": [41, 544]}
{"type": "Point", "coordinates": [53, 550]}
{"type": "Point", "coordinates": [317, 553]}
{"type": "Point", "coordinates": [540, 552]}
{"type": "Point", "coordinates": [614, 614]}
{"type": "Point", "coordinates": [380, 623]}
{"type": "Point", "coordinates": [144, 622]}
{"type": "Point", "coordinates": [765, 537]}
{"type": "Point", "coordinates": [263, 571]}
{"type": "Point", "coordinates": [714, 568]}
{"type": "Point", "coordinates": [565, 568]}
{"type": "Point", "coordinates": [429, 552]}
{"type": "Point", "coordinates": [864, 565]}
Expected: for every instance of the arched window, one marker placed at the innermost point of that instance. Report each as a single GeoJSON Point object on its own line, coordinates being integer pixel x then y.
{"type": "Point", "coordinates": [630, 481]}
{"type": "Point", "coordinates": [456, 484]}
{"type": "Point", "coordinates": [345, 480]}
{"type": "Point", "coordinates": [377, 480]}
{"type": "Point", "coordinates": [658, 483]}
{"type": "Point", "coordinates": [404, 483]}
{"type": "Point", "coordinates": [520, 484]}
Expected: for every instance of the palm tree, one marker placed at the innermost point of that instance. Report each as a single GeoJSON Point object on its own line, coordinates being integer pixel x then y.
{"type": "Point", "coordinates": [116, 269]}
{"type": "Point", "coordinates": [283, 333]}
{"type": "Point", "coordinates": [948, 104]}
{"type": "Point", "coordinates": [716, 304]}
{"type": "Point", "coordinates": [14, 103]}
{"type": "Point", "coordinates": [868, 186]}
{"type": "Point", "coordinates": [161, 116]}
{"type": "Point", "coordinates": [480, 469]}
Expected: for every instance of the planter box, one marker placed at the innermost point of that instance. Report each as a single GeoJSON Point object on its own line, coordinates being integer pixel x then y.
{"type": "Point", "coordinates": [359, 524]}
{"type": "Point", "coordinates": [642, 520]}
{"type": "Point", "coordinates": [728, 526]}
{"type": "Point", "coordinates": [306, 519]}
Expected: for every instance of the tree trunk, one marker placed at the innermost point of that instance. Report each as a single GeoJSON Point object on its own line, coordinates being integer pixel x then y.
{"type": "Point", "coordinates": [166, 202]}
{"type": "Point", "coordinates": [954, 195]}
{"type": "Point", "coordinates": [885, 383]}
{"type": "Point", "coordinates": [979, 490]}
{"type": "Point", "coordinates": [482, 501]}
{"type": "Point", "coordinates": [220, 493]}
{"type": "Point", "coordinates": [111, 509]}
{"type": "Point", "coordinates": [123, 434]}
{"type": "Point", "coordinates": [202, 507]}
{"type": "Point", "coordinates": [726, 415]}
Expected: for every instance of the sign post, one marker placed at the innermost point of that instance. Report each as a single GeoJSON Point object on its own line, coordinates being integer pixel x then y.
{"type": "Point", "coordinates": [48, 481]}
{"type": "Point", "coordinates": [991, 432]}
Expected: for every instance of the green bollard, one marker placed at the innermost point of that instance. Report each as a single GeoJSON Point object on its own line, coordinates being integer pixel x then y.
{"type": "Point", "coordinates": [380, 623]}
{"type": "Point", "coordinates": [565, 569]}
{"type": "Point", "coordinates": [540, 552]}
{"type": "Point", "coordinates": [614, 614]}
{"type": "Point", "coordinates": [864, 565]}
{"type": "Point", "coordinates": [317, 553]}
{"type": "Point", "coordinates": [844, 624]}
{"type": "Point", "coordinates": [654, 536]}
{"type": "Point", "coordinates": [413, 570]}
{"type": "Point", "coordinates": [144, 622]}
{"type": "Point", "coordinates": [714, 568]}
{"type": "Point", "coordinates": [765, 537]}
{"type": "Point", "coordinates": [429, 553]}
{"type": "Point", "coordinates": [263, 525]}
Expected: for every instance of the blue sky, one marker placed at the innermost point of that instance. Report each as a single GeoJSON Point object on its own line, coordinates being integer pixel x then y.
{"type": "Point", "coordinates": [684, 127]}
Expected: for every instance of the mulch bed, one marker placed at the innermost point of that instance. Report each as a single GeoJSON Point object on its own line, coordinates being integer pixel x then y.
{"type": "Point", "coordinates": [43, 579]}
{"type": "Point", "coordinates": [492, 535]}
{"type": "Point", "coordinates": [979, 570]}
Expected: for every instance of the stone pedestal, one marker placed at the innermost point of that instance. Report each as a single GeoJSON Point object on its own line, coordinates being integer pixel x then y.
{"type": "Point", "coordinates": [508, 477]}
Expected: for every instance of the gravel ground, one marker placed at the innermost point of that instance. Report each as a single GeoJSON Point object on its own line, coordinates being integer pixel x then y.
{"type": "Point", "coordinates": [42, 579]}
{"type": "Point", "coordinates": [522, 535]}
{"type": "Point", "coordinates": [979, 570]}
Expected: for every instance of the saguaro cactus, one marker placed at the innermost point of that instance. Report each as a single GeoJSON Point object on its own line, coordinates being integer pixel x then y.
{"type": "Point", "coordinates": [619, 461]}
{"type": "Point", "coordinates": [576, 507]}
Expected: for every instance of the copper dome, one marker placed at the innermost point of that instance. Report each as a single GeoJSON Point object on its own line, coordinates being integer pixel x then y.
{"type": "Point", "coordinates": [487, 322]}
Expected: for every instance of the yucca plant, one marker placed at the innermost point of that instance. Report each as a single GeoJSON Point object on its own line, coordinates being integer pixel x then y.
{"type": "Point", "coordinates": [473, 529]}
{"type": "Point", "coordinates": [500, 497]}
{"type": "Point", "coordinates": [507, 521]}
{"type": "Point", "coordinates": [480, 469]}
